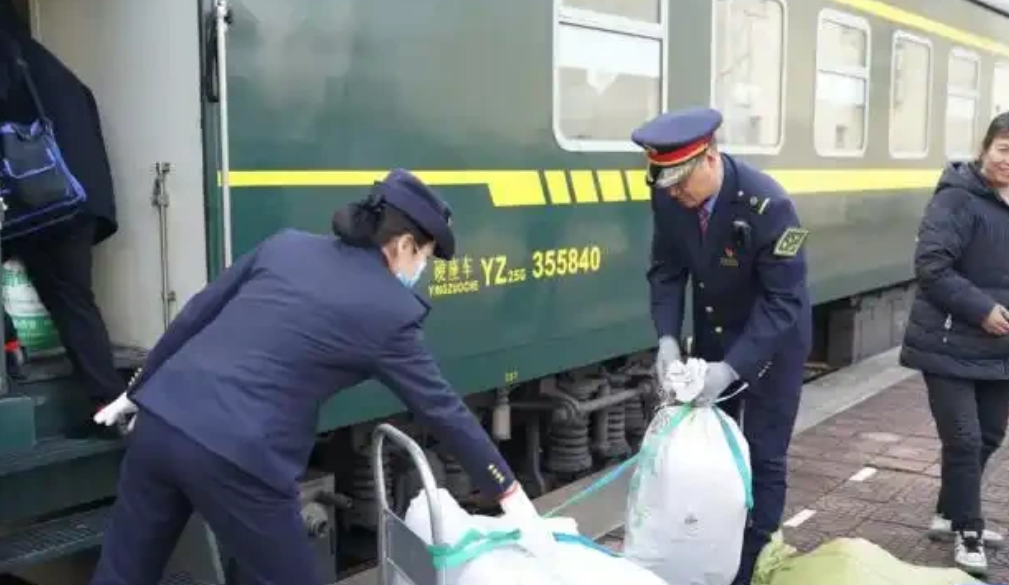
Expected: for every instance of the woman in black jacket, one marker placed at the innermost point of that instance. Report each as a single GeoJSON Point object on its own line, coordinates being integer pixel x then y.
{"type": "Point", "coordinates": [958, 334]}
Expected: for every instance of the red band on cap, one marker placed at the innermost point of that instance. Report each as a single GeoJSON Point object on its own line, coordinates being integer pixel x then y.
{"type": "Point", "coordinates": [680, 155]}
{"type": "Point", "coordinates": [12, 345]}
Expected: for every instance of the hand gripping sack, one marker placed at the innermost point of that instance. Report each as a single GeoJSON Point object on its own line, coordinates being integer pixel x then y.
{"type": "Point", "coordinates": [486, 552]}
{"type": "Point", "coordinates": [689, 497]}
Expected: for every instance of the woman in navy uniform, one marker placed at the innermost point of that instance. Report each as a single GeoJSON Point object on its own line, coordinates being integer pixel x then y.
{"type": "Point", "coordinates": [226, 405]}
{"type": "Point", "coordinates": [735, 231]}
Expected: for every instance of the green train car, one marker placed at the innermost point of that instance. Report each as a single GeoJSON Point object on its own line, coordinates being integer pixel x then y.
{"type": "Point", "coordinates": [226, 121]}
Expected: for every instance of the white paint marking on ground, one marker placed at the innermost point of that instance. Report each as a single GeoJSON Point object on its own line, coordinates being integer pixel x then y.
{"type": "Point", "coordinates": [800, 518]}
{"type": "Point", "coordinates": [863, 474]}
{"type": "Point", "coordinates": [838, 391]}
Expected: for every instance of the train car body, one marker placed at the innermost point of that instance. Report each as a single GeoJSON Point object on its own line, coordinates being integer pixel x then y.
{"type": "Point", "coordinates": [226, 121]}
{"type": "Point", "coordinates": [521, 114]}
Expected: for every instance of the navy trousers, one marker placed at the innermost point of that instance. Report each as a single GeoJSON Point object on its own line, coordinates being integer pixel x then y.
{"type": "Point", "coordinates": [768, 409]}
{"type": "Point", "coordinates": [164, 477]}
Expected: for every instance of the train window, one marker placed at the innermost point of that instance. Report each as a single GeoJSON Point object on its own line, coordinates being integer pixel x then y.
{"type": "Point", "coordinates": [963, 91]}
{"type": "Point", "coordinates": [910, 96]}
{"type": "Point", "coordinates": [1000, 88]}
{"type": "Point", "coordinates": [608, 74]}
{"type": "Point", "coordinates": [842, 85]}
{"type": "Point", "coordinates": [749, 71]}
{"type": "Point", "coordinates": [644, 10]}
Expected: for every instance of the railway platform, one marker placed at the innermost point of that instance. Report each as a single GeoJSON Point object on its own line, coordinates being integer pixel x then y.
{"type": "Point", "coordinates": [871, 470]}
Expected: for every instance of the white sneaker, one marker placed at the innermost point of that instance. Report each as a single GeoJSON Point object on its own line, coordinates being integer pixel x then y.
{"type": "Point", "coordinates": [942, 529]}
{"type": "Point", "coordinates": [968, 553]}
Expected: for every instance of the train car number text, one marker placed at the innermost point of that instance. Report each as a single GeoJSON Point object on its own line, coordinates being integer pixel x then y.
{"type": "Point", "coordinates": [566, 261]}
{"type": "Point", "coordinates": [497, 272]}
{"type": "Point", "coordinates": [467, 275]}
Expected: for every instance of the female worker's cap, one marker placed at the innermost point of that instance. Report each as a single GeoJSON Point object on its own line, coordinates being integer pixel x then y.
{"type": "Point", "coordinates": [420, 203]}
{"type": "Point", "coordinates": [674, 142]}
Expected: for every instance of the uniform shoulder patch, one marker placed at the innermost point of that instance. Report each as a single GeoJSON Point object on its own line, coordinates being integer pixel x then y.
{"type": "Point", "coordinates": [790, 242]}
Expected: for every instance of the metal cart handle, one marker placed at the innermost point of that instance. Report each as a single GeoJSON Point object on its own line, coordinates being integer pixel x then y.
{"type": "Point", "coordinates": [390, 525]}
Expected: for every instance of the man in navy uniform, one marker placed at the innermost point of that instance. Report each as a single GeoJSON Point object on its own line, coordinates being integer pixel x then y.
{"type": "Point", "coordinates": [229, 397]}
{"type": "Point", "coordinates": [733, 230]}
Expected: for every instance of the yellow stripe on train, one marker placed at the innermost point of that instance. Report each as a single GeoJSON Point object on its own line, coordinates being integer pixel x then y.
{"type": "Point", "coordinates": [507, 188]}
{"type": "Point", "coordinates": [924, 24]}
{"type": "Point", "coordinates": [525, 188]}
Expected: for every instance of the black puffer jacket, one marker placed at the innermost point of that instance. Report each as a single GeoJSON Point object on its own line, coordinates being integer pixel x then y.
{"type": "Point", "coordinates": [962, 265]}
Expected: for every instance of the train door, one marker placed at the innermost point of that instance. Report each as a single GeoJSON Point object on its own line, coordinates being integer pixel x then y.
{"type": "Point", "coordinates": [277, 117]}
{"type": "Point", "coordinates": [141, 63]}
{"type": "Point", "coordinates": [217, 18]}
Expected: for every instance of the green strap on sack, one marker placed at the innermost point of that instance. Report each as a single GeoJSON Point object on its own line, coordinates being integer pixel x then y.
{"type": "Point", "coordinates": [596, 486]}
{"type": "Point", "coordinates": [648, 449]}
{"type": "Point", "coordinates": [737, 456]}
{"type": "Point", "coordinates": [475, 543]}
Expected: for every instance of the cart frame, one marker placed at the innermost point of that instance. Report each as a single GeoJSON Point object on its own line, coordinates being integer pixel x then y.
{"type": "Point", "coordinates": [400, 550]}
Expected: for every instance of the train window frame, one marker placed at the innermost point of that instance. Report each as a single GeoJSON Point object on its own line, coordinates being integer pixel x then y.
{"type": "Point", "coordinates": [612, 24]}
{"type": "Point", "coordinates": [962, 53]}
{"type": "Point", "coordinates": [739, 148]}
{"type": "Point", "coordinates": [863, 73]}
{"type": "Point", "coordinates": [899, 35]}
{"type": "Point", "coordinates": [1003, 65]}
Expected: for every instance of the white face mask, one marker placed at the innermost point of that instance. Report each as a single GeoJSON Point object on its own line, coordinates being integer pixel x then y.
{"type": "Point", "coordinates": [410, 281]}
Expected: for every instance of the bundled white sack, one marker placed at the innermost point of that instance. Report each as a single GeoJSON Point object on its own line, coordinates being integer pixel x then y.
{"type": "Point", "coordinates": [578, 562]}
{"type": "Point", "coordinates": [691, 491]}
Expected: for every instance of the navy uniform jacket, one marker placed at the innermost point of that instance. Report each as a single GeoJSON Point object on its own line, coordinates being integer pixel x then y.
{"type": "Point", "coordinates": [750, 303]}
{"type": "Point", "coordinates": [247, 364]}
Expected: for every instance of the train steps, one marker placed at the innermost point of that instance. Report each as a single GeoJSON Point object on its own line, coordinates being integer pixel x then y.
{"type": "Point", "coordinates": [57, 474]}
{"type": "Point", "coordinates": [48, 466]}
{"type": "Point", "coordinates": [50, 402]}
{"type": "Point", "coordinates": [56, 484]}
{"type": "Point", "coordinates": [61, 537]}
{"type": "Point", "coordinates": [47, 463]}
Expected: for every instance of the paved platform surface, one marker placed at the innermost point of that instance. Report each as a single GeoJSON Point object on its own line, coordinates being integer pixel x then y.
{"type": "Point", "coordinates": [873, 471]}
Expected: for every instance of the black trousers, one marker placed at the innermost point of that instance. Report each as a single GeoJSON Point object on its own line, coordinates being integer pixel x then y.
{"type": "Point", "coordinates": [58, 262]}
{"type": "Point", "coordinates": [971, 417]}
{"type": "Point", "coordinates": [165, 475]}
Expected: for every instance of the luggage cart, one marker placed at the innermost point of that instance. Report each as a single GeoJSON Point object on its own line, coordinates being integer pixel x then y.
{"type": "Point", "coordinates": [400, 551]}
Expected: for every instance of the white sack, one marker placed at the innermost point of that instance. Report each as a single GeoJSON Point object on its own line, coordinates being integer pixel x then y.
{"type": "Point", "coordinates": [571, 564]}
{"type": "Point", "coordinates": [687, 507]}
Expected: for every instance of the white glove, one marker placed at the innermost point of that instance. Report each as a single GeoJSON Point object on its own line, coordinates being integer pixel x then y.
{"type": "Point", "coordinates": [116, 412]}
{"type": "Point", "coordinates": [716, 380]}
{"type": "Point", "coordinates": [536, 536]}
{"type": "Point", "coordinates": [684, 381]}
{"type": "Point", "coordinates": [669, 352]}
